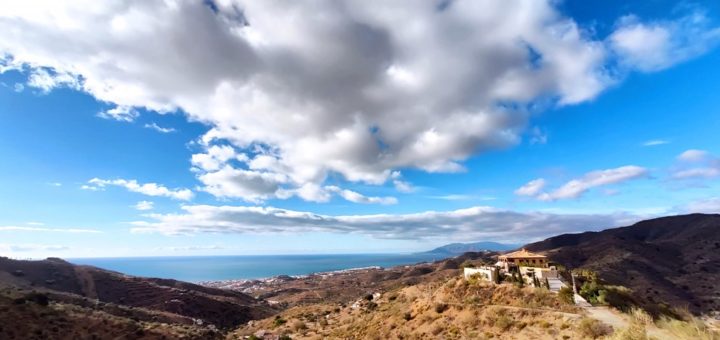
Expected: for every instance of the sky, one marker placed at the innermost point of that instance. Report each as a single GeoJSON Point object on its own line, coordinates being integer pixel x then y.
{"type": "Point", "coordinates": [232, 127]}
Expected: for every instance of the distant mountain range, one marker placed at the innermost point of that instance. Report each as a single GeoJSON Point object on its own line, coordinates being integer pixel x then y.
{"type": "Point", "coordinates": [460, 248]}
{"type": "Point", "coordinates": [672, 260]}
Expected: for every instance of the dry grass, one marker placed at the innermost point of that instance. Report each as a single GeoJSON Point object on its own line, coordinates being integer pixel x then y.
{"type": "Point", "coordinates": [447, 309]}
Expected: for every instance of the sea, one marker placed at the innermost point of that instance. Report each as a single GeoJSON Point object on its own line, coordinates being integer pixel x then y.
{"type": "Point", "coordinates": [217, 268]}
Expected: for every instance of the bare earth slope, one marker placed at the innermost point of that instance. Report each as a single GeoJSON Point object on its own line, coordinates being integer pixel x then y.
{"type": "Point", "coordinates": [673, 260]}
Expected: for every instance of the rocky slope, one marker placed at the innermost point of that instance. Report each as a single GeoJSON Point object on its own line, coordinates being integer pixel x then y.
{"type": "Point", "coordinates": [672, 260]}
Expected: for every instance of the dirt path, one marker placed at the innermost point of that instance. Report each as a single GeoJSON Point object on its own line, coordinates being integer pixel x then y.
{"type": "Point", "coordinates": [607, 316]}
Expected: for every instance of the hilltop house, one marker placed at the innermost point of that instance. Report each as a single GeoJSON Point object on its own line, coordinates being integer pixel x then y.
{"type": "Point", "coordinates": [529, 265]}
{"type": "Point", "coordinates": [522, 258]}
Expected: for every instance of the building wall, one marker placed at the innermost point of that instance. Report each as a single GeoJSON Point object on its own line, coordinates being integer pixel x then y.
{"type": "Point", "coordinates": [486, 273]}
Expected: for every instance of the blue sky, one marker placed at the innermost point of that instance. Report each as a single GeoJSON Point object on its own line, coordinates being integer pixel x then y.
{"type": "Point", "coordinates": [123, 135]}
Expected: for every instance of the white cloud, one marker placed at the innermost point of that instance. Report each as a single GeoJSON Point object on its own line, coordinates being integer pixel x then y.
{"type": "Point", "coordinates": [20, 248]}
{"type": "Point", "coordinates": [149, 189]}
{"type": "Point", "coordinates": [658, 45]}
{"type": "Point", "coordinates": [696, 164]}
{"type": "Point", "coordinates": [325, 87]}
{"type": "Point", "coordinates": [356, 197]}
{"type": "Point", "coordinates": [55, 184]}
{"type": "Point", "coordinates": [311, 89]}
{"type": "Point", "coordinates": [656, 142]}
{"type": "Point", "coordinates": [693, 155]}
{"type": "Point", "coordinates": [158, 128]}
{"type": "Point", "coordinates": [531, 188]}
{"type": "Point", "coordinates": [696, 173]}
{"type": "Point", "coordinates": [47, 80]}
{"type": "Point", "coordinates": [120, 113]}
{"type": "Point", "coordinates": [709, 206]}
{"type": "Point", "coordinates": [577, 187]}
{"type": "Point", "coordinates": [400, 184]}
{"type": "Point", "coordinates": [18, 87]}
{"type": "Point", "coordinates": [144, 205]}
{"type": "Point", "coordinates": [470, 223]}
{"type": "Point", "coordinates": [50, 230]}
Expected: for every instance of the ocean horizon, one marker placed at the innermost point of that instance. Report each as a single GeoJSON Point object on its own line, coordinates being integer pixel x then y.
{"type": "Point", "coordinates": [237, 267]}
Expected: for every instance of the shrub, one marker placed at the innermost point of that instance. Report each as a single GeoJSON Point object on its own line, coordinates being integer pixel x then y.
{"type": "Point", "coordinates": [284, 337]}
{"type": "Point", "coordinates": [504, 322]}
{"type": "Point", "coordinates": [440, 308]}
{"type": "Point", "coordinates": [279, 321]}
{"type": "Point", "coordinates": [407, 316]}
{"type": "Point", "coordinates": [566, 295]}
{"type": "Point", "coordinates": [467, 264]}
{"type": "Point", "coordinates": [592, 328]}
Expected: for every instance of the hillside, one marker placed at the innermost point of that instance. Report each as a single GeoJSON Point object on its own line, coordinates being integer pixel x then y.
{"type": "Point", "coordinates": [439, 308]}
{"type": "Point", "coordinates": [145, 299]}
{"type": "Point", "coordinates": [454, 249]}
{"type": "Point", "coordinates": [672, 260]}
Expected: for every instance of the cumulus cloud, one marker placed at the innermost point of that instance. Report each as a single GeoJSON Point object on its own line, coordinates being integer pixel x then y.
{"type": "Point", "coordinates": [653, 46]}
{"type": "Point", "coordinates": [531, 188]}
{"type": "Point", "coordinates": [345, 87]}
{"type": "Point", "coordinates": [51, 230]}
{"type": "Point", "coordinates": [307, 90]}
{"type": "Point", "coordinates": [470, 223]}
{"type": "Point", "coordinates": [144, 205]}
{"type": "Point", "coordinates": [158, 128]}
{"type": "Point", "coordinates": [149, 189]}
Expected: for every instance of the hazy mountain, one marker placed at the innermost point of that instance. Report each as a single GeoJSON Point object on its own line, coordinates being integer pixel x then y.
{"type": "Point", "coordinates": [673, 260]}
{"type": "Point", "coordinates": [460, 248]}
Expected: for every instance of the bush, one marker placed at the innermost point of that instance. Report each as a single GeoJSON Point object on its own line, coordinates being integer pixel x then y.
{"type": "Point", "coordinates": [467, 264]}
{"type": "Point", "coordinates": [592, 328]}
{"type": "Point", "coordinates": [279, 321]}
{"type": "Point", "coordinates": [504, 322]}
{"type": "Point", "coordinates": [566, 295]}
{"type": "Point", "coordinates": [440, 308]}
